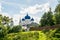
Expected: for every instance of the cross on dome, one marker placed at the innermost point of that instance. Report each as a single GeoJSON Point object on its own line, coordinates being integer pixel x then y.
{"type": "Point", "coordinates": [27, 16]}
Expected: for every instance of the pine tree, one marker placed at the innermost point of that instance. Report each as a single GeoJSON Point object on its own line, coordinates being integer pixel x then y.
{"type": "Point", "coordinates": [57, 14]}
{"type": "Point", "coordinates": [47, 19]}
{"type": "Point", "coordinates": [43, 20]}
{"type": "Point", "coordinates": [50, 18]}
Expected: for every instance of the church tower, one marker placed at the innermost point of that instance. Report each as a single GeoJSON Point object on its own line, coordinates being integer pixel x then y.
{"type": "Point", "coordinates": [26, 21]}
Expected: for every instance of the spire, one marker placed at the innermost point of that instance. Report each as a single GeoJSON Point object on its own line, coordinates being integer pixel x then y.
{"type": "Point", "coordinates": [27, 14]}
{"type": "Point", "coordinates": [20, 21]}
{"type": "Point", "coordinates": [50, 9]}
{"type": "Point", "coordinates": [11, 22]}
{"type": "Point", "coordinates": [32, 19]}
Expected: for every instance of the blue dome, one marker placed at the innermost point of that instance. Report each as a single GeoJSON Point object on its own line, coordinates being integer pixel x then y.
{"type": "Point", "coordinates": [27, 17]}
{"type": "Point", "coordinates": [32, 19]}
{"type": "Point", "coordinates": [23, 19]}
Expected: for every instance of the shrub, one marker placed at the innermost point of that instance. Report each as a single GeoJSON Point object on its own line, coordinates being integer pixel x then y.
{"type": "Point", "coordinates": [26, 36]}
{"type": "Point", "coordinates": [3, 31]}
{"type": "Point", "coordinates": [15, 29]}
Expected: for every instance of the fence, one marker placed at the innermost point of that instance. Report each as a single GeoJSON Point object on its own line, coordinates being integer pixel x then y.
{"type": "Point", "coordinates": [45, 28]}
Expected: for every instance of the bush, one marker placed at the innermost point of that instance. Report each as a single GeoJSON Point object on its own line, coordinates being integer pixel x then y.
{"type": "Point", "coordinates": [15, 29]}
{"type": "Point", "coordinates": [26, 36]}
{"type": "Point", "coordinates": [3, 31]}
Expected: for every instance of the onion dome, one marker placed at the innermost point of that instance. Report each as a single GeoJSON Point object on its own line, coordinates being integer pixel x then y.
{"type": "Point", "coordinates": [23, 19]}
{"type": "Point", "coordinates": [32, 19]}
{"type": "Point", "coordinates": [27, 17]}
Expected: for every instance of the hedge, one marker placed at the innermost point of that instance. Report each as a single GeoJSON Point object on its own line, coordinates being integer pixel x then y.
{"type": "Point", "coordinates": [33, 35]}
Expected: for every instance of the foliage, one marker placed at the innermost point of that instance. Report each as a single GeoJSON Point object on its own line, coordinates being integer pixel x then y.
{"type": "Point", "coordinates": [33, 35]}
{"type": "Point", "coordinates": [47, 19]}
{"type": "Point", "coordinates": [15, 29]}
{"type": "Point", "coordinates": [56, 35]}
{"type": "Point", "coordinates": [57, 14]}
{"type": "Point", "coordinates": [4, 20]}
{"type": "Point", "coordinates": [15, 33]}
{"type": "Point", "coordinates": [3, 31]}
{"type": "Point", "coordinates": [57, 9]}
{"type": "Point", "coordinates": [57, 18]}
{"type": "Point", "coordinates": [44, 20]}
{"type": "Point", "coordinates": [26, 36]}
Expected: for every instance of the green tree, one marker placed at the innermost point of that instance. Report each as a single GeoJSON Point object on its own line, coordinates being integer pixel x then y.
{"type": "Point", "coordinates": [15, 29]}
{"type": "Point", "coordinates": [57, 9]}
{"type": "Point", "coordinates": [57, 14]}
{"type": "Point", "coordinates": [47, 19]}
{"type": "Point", "coordinates": [50, 18]}
{"type": "Point", "coordinates": [3, 31]}
{"type": "Point", "coordinates": [6, 20]}
{"type": "Point", "coordinates": [43, 20]}
{"type": "Point", "coordinates": [1, 19]}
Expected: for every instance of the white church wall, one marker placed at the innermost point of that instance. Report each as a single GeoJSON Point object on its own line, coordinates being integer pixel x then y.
{"type": "Point", "coordinates": [27, 21]}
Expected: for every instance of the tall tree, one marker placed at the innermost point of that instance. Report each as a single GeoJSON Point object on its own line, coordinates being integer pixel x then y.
{"type": "Point", "coordinates": [57, 8]}
{"type": "Point", "coordinates": [1, 18]}
{"type": "Point", "coordinates": [50, 18]}
{"type": "Point", "coordinates": [43, 20]}
{"type": "Point", "coordinates": [57, 14]}
{"type": "Point", "coordinates": [47, 19]}
{"type": "Point", "coordinates": [15, 29]}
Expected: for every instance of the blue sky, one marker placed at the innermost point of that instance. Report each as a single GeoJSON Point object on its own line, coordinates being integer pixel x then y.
{"type": "Point", "coordinates": [19, 8]}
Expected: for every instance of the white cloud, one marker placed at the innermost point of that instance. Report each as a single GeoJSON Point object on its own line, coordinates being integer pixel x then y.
{"type": "Point", "coordinates": [28, 1]}
{"type": "Point", "coordinates": [51, 1]}
{"type": "Point", "coordinates": [36, 18]}
{"type": "Point", "coordinates": [36, 8]}
{"type": "Point", "coordinates": [31, 10]}
{"type": "Point", "coordinates": [13, 4]}
{"type": "Point", "coordinates": [16, 18]}
{"type": "Point", "coordinates": [4, 14]}
{"type": "Point", "coordinates": [0, 7]}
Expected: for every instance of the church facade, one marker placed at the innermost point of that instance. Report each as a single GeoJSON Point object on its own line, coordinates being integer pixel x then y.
{"type": "Point", "coordinates": [24, 22]}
